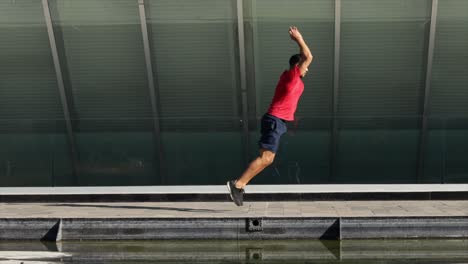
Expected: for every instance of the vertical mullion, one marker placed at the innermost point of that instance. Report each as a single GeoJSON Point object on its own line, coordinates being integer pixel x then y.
{"type": "Point", "coordinates": [427, 91]}
{"type": "Point", "coordinates": [152, 87]}
{"type": "Point", "coordinates": [242, 67]}
{"type": "Point", "coordinates": [336, 82]}
{"type": "Point", "coordinates": [63, 95]}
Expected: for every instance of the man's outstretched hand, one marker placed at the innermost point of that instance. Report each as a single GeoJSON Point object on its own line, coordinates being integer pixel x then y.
{"type": "Point", "coordinates": [294, 33]}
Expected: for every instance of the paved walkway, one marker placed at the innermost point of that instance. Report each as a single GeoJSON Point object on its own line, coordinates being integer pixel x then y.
{"type": "Point", "coordinates": [229, 210]}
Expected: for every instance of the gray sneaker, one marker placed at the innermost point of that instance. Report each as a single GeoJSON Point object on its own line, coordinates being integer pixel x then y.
{"type": "Point", "coordinates": [237, 195]}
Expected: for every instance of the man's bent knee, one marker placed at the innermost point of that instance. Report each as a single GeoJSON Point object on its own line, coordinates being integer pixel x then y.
{"type": "Point", "coordinates": [267, 157]}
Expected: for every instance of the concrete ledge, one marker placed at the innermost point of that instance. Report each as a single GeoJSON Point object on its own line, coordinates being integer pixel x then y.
{"type": "Point", "coordinates": [253, 193]}
{"type": "Point", "coordinates": [327, 228]}
{"type": "Point", "coordinates": [252, 189]}
{"type": "Point", "coordinates": [197, 229]}
{"type": "Point", "coordinates": [28, 229]}
{"type": "Point", "coordinates": [404, 227]}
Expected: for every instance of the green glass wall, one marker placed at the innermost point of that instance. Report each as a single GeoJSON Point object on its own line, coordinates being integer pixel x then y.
{"type": "Point", "coordinates": [163, 103]}
{"type": "Point", "coordinates": [194, 50]}
{"type": "Point", "coordinates": [33, 146]}
{"type": "Point", "coordinates": [382, 80]}
{"type": "Point", "coordinates": [447, 152]}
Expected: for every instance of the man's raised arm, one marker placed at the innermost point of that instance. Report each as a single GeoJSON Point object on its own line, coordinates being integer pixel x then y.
{"type": "Point", "coordinates": [304, 50]}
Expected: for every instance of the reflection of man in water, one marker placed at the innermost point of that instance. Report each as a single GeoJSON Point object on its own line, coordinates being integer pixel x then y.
{"type": "Point", "coordinates": [288, 91]}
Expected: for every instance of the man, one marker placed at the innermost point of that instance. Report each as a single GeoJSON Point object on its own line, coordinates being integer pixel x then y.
{"type": "Point", "coordinates": [273, 124]}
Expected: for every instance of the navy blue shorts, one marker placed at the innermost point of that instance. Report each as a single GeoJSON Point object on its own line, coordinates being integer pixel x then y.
{"type": "Point", "coordinates": [272, 128]}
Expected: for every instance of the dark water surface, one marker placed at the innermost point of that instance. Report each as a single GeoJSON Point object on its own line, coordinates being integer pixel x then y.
{"type": "Point", "coordinates": [295, 251]}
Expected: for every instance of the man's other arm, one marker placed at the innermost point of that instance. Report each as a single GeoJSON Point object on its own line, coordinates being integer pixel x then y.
{"type": "Point", "coordinates": [304, 49]}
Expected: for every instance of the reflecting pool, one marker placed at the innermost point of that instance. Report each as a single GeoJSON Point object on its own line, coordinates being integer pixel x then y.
{"type": "Point", "coordinates": [291, 251]}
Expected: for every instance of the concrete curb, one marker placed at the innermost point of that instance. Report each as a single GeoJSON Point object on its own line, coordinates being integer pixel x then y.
{"type": "Point", "coordinates": [327, 228]}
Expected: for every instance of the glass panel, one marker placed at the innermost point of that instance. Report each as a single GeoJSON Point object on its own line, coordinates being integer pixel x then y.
{"type": "Point", "coordinates": [101, 49]}
{"type": "Point", "coordinates": [382, 78]}
{"type": "Point", "coordinates": [33, 146]}
{"type": "Point", "coordinates": [447, 152]}
{"type": "Point", "coordinates": [196, 64]}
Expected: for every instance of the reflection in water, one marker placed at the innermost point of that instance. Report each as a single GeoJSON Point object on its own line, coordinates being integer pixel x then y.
{"type": "Point", "coordinates": [297, 251]}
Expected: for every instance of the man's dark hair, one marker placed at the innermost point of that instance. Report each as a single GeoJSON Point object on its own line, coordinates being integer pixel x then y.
{"type": "Point", "coordinates": [295, 59]}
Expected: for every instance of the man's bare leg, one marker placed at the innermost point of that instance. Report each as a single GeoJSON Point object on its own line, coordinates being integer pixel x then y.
{"type": "Point", "coordinates": [265, 158]}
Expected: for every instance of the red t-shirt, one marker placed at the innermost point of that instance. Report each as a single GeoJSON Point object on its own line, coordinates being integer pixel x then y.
{"type": "Point", "coordinates": [288, 91]}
